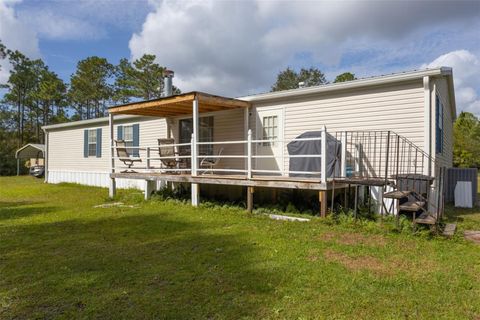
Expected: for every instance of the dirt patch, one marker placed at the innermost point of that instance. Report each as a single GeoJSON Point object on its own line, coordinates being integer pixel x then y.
{"type": "Point", "coordinates": [472, 235]}
{"type": "Point", "coordinates": [358, 263]}
{"type": "Point", "coordinates": [351, 238]}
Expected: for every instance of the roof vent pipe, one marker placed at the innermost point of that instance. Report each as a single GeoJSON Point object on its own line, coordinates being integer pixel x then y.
{"type": "Point", "coordinates": [167, 83]}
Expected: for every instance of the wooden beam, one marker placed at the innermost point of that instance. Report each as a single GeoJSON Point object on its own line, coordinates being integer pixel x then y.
{"type": "Point", "coordinates": [152, 103]}
{"type": "Point", "coordinates": [250, 191]}
{"type": "Point", "coordinates": [322, 197]}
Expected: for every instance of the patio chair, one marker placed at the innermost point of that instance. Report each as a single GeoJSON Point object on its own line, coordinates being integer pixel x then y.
{"type": "Point", "coordinates": [124, 156]}
{"type": "Point", "coordinates": [211, 162]}
{"type": "Point", "coordinates": [166, 148]}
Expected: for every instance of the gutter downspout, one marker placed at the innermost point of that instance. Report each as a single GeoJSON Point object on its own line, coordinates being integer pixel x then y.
{"type": "Point", "coordinates": [427, 121]}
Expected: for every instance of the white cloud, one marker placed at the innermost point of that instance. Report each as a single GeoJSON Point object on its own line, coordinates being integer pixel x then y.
{"type": "Point", "coordinates": [466, 73]}
{"type": "Point", "coordinates": [15, 35]}
{"type": "Point", "coordinates": [237, 47]}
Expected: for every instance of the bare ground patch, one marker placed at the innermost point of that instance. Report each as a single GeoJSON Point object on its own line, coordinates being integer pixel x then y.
{"type": "Point", "coordinates": [352, 238]}
{"type": "Point", "coordinates": [358, 263]}
{"type": "Point", "coordinates": [388, 267]}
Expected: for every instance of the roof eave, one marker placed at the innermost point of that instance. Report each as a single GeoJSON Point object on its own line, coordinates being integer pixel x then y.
{"type": "Point", "coordinates": [407, 76]}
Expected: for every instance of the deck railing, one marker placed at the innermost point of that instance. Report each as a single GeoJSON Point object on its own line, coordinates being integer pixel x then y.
{"type": "Point", "coordinates": [190, 162]}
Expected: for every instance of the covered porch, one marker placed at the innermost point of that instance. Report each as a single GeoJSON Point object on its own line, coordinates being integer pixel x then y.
{"type": "Point", "coordinates": [243, 161]}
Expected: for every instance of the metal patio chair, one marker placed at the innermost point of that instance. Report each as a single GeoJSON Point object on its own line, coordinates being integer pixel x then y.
{"type": "Point", "coordinates": [166, 149]}
{"type": "Point", "coordinates": [124, 156]}
{"type": "Point", "coordinates": [209, 163]}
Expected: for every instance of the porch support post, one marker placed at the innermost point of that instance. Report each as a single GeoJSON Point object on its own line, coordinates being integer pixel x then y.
{"type": "Point", "coordinates": [249, 154]}
{"type": "Point", "coordinates": [250, 191]}
{"type": "Point", "coordinates": [149, 188]}
{"type": "Point", "coordinates": [247, 132]}
{"type": "Point", "coordinates": [112, 190]}
{"type": "Point", "coordinates": [194, 151]}
{"type": "Point", "coordinates": [324, 156]}
{"type": "Point", "coordinates": [18, 166]}
{"type": "Point", "coordinates": [322, 197]}
{"type": "Point", "coordinates": [343, 162]}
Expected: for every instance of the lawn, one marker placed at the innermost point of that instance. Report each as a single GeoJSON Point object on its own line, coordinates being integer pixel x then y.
{"type": "Point", "coordinates": [62, 258]}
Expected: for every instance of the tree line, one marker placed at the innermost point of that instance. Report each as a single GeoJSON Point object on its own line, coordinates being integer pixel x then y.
{"type": "Point", "coordinates": [35, 96]}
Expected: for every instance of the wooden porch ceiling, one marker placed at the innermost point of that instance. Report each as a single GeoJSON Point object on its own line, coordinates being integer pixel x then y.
{"type": "Point", "coordinates": [178, 105]}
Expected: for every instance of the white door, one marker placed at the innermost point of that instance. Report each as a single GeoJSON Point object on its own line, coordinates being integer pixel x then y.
{"type": "Point", "coordinates": [269, 127]}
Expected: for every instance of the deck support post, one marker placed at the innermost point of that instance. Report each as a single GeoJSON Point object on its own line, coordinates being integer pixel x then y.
{"type": "Point", "coordinates": [149, 188]}
{"type": "Point", "coordinates": [195, 194]}
{"type": "Point", "coordinates": [355, 210]}
{"type": "Point", "coordinates": [112, 190]}
{"type": "Point", "coordinates": [250, 191]}
{"type": "Point", "coordinates": [322, 197]}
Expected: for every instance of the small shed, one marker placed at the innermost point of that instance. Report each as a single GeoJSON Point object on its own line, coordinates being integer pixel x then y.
{"type": "Point", "coordinates": [33, 151]}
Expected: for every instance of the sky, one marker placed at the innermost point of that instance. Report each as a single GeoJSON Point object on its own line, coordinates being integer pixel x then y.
{"type": "Point", "coordinates": [235, 48]}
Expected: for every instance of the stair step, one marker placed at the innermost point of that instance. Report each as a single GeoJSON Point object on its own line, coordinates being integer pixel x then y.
{"type": "Point", "coordinates": [426, 218]}
{"type": "Point", "coordinates": [412, 206]}
{"type": "Point", "coordinates": [449, 229]}
{"type": "Point", "coordinates": [397, 194]}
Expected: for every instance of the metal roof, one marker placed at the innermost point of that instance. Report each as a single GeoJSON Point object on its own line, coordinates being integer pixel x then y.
{"type": "Point", "coordinates": [30, 150]}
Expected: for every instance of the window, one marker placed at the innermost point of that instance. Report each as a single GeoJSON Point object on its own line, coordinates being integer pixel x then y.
{"type": "Point", "coordinates": [205, 134]}
{"type": "Point", "coordinates": [270, 129]}
{"type": "Point", "coordinates": [438, 125]}
{"type": "Point", "coordinates": [128, 137]}
{"type": "Point", "coordinates": [92, 143]}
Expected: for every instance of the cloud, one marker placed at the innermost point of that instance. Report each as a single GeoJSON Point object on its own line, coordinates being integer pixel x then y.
{"type": "Point", "coordinates": [466, 73]}
{"type": "Point", "coordinates": [81, 20]}
{"type": "Point", "coordinates": [15, 35]}
{"type": "Point", "coordinates": [237, 47]}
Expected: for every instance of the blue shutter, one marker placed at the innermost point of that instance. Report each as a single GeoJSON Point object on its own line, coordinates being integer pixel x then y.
{"type": "Point", "coordinates": [136, 139]}
{"type": "Point", "coordinates": [99, 143]}
{"type": "Point", "coordinates": [438, 127]}
{"type": "Point", "coordinates": [85, 143]}
{"type": "Point", "coordinates": [120, 133]}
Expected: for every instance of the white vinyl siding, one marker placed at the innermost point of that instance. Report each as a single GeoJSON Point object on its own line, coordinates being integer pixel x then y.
{"type": "Point", "coordinates": [66, 148]}
{"type": "Point", "coordinates": [397, 107]}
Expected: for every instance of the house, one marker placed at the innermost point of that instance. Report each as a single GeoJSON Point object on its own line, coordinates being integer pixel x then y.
{"type": "Point", "coordinates": [379, 123]}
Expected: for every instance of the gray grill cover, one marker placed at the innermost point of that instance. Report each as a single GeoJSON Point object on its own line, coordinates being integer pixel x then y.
{"type": "Point", "coordinates": [314, 148]}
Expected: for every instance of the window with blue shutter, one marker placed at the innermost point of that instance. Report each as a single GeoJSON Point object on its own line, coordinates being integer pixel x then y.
{"type": "Point", "coordinates": [131, 135]}
{"type": "Point", "coordinates": [99, 143]}
{"type": "Point", "coordinates": [92, 143]}
{"type": "Point", "coordinates": [438, 125]}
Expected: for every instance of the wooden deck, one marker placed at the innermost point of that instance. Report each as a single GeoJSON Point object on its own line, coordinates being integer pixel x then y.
{"type": "Point", "coordinates": [239, 180]}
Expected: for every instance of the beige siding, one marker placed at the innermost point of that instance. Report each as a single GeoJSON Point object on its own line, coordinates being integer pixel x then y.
{"type": "Point", "coordinates": [65, 149]}
{"type": "Point", "coordinates": [441, 89]}
{"type": "Point", "coordinates": [227, 126]}
{"type": "Point", "coordinates": [398, 107]}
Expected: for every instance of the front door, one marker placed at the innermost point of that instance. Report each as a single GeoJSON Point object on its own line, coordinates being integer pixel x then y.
{"type": "Point", "coordinates": [269, 127]}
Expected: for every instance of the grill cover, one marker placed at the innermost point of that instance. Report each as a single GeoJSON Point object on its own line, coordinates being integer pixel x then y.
{"type": "Point", "coordinates": [314, 148]}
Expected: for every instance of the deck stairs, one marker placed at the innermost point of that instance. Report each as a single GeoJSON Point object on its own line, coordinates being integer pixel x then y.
{"type": "Point", "coordinates": [411, 180]}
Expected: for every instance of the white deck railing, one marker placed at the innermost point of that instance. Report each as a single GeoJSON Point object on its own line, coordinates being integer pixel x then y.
{"type": "Point", "coordinates": [249, 168]}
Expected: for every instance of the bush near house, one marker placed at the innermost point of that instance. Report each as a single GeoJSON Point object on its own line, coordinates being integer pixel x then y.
{"type": "Point", "coordinates": [63, 258]}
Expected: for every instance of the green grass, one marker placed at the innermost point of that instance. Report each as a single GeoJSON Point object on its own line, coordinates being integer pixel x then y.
{"type": "Point", "coordinates": [62, 258]}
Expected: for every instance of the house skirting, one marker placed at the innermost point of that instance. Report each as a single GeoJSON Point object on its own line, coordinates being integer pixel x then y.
{"type": "Point", "coordinates": [93, 178]}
